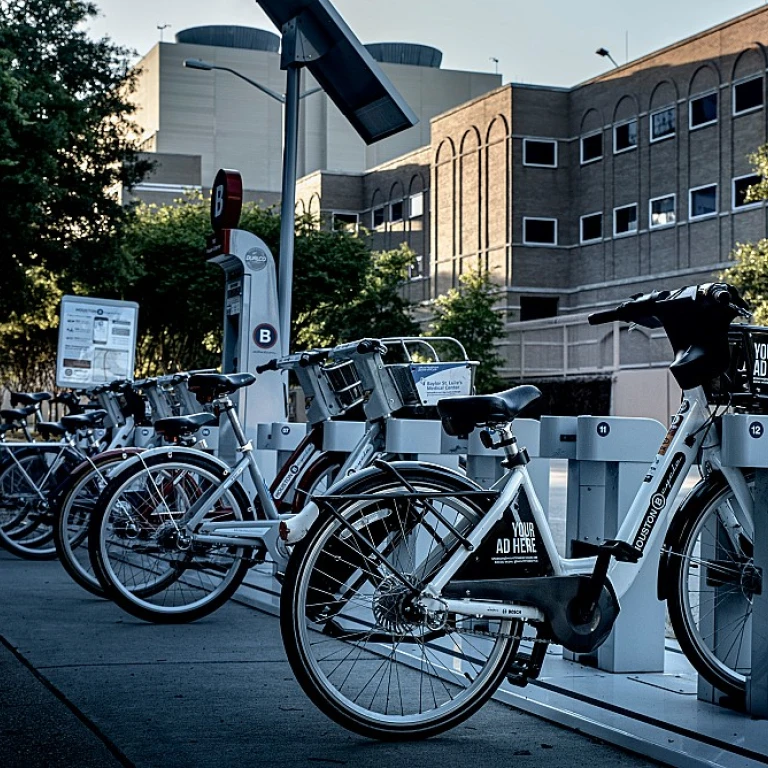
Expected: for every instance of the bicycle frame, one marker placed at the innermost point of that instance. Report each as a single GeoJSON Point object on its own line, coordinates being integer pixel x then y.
{"type": "Point", "coordinates": [641, 528]}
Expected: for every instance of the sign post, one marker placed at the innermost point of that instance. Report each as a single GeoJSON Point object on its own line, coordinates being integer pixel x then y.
{"type": "Point", "coordinates": [97, 341]}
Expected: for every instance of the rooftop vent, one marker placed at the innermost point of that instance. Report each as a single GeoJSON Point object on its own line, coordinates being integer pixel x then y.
{"type": "Point", "coordinates": [229, 36]}
{"type": "Point", "coordinates": [406, 53]}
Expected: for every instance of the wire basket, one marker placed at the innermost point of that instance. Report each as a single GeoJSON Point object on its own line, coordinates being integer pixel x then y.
{"type": "Point", "coordinates": [744, 385]}
{"type": "Point", "coordinates": [344, 381]}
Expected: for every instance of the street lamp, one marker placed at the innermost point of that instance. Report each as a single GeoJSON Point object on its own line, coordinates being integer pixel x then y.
{"type": "Point", "coordinates": [288, 202]}
{"type": "Point", "coordinates": [606, 53]}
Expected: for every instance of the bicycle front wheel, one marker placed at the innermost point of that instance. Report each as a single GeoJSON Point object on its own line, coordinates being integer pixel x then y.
{"type": "Point", "coordinates": [362, 648]}
{"type": "Point", "coordinates": [144, 550]}
{"type": "Point", "coordinates": [714, 579]}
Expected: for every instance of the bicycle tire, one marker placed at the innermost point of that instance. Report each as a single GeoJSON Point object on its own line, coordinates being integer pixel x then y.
{"type": "Point", "coordinates": [709, 566]}
{"type": "Point", "coordinates": [351, 634]}
{"type": "Point", "coordinates": [26, 513]}
{"type": "Point", "coordinates": [74, 504]}
{"type": "Point", "coordinates": [144, 561]}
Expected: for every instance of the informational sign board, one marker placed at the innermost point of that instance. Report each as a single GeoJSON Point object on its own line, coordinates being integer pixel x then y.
{"type": "Point", "coordinates": [435, 381]}
{"type": "Point", "coordinates": [97, 341]}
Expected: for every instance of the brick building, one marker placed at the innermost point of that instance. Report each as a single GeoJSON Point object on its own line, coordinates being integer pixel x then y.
{"type": "Point", "coordinates": [575, 198]}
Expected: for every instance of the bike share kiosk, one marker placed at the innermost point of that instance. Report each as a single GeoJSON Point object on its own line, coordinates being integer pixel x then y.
{"type": "Point", "coordinates": [251, 318]}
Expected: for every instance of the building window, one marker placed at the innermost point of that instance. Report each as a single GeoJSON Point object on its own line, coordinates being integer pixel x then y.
{"type": "Point", "coordinates": [591, 148]}
{"type": "Point", "coordinates": [538, 307]}
{"type": "Point", "coordinates": [747, 95]}
{"type": "Point", "coordinates": [378, 217]}
{"type": "Point", "coordinates": [702, 111]}
{"type": "Point", "coordinates": [591, 227]}
{"type": "Point", "coordinates": [663, 124]}
{"type": "Point", "coordinates": [416, 206]}
{"type": "Point", "coordinates": [625, 220]}
{"type": "Point", "coordinates": [541, 153]}
{"type": "Point", "coordinates": [702, 202]}
{"type": "Point", "coordinates": [539, 231]}
{"type": "Point", "coordinates": [415, 268]}
{"type": "Point", "coordinates": [345, 222]}
{"type": "Point", "coordinates": [624, 136]}
{"type": "Point", "coordinates": [661, 212]}
{"type": "Point", "coordinates": [396, 211]}
{"type": "Point", "coordinates": [740, 187]}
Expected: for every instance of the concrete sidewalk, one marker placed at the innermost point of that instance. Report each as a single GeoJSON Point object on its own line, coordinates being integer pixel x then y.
{"type": "Point", "coordinates": [84, 684]}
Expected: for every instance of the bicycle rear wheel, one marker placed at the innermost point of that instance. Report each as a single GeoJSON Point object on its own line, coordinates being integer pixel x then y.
{"type": "Point", "coordinates": [28, 482]}
{"type": "Point", "coordinates": [361, 647]}
{"type": "Point", "coordinates": [74, 505]}
{"type": "Point", "coordinates": [714, 579]}
{"type": "Point", "coordinates": [146, 558]}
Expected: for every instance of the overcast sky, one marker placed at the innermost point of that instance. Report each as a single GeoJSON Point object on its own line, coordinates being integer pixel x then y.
{"type": "Point", "coordinates": [551, 42]}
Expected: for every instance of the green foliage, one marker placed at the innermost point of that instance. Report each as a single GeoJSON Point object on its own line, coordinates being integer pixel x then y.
{"type": "Point", "coordinates": [64, 143]}
{"type": "Point", "coordinates": [750, 275]}
{"type": "Point", "coordinates": [28, 339]}
{"type": "Point", "coordinates": [341, 290]}
{"type": "Point", "coordinates": [466, 313]}
{"type": "Point", "coordinates": [750, 272]}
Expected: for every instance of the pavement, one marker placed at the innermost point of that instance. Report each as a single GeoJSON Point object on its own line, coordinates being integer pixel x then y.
{"type": "Point", "coordinates": [83, 684]}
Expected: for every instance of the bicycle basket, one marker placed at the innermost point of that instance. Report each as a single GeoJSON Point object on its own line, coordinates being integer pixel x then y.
{"type": "Point", "coordinates": [344, 381]}
{"type": "Point", "coordinates": [745, 382]}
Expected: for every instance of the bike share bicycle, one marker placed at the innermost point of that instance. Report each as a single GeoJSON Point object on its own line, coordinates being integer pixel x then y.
{"type": "Point", "coordinates": [410, 588]}
{"type": "Point", "coordinates": [174, 533]}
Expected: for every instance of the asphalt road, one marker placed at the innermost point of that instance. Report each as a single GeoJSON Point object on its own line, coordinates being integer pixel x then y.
{"type": "Point", "coordinates": [83, 684]}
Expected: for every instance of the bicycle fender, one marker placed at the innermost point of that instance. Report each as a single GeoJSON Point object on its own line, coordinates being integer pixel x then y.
{"type": "Point", "coordinates": [293, 529]}
{"type": "Point", "coordinates": [680, 520]}
{"type": "Point", "coordinates": [173, 452]}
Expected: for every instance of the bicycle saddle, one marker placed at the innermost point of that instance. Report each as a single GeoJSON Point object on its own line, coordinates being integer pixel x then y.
{"type": "Point", "coordinates": [29, 398]}
{"type": "Point", "coordinates": [73, 422]}
{"type": "Point", "coordinates": [49, 429]}
{"type": "Point", "coordinates": [208, 386]}
{"type": "Point", "coordinates": [174, 427]}
{"type": "Point", "coordinates": [460, 415]}
{"type": "Point", "coordinates": [17, 414]}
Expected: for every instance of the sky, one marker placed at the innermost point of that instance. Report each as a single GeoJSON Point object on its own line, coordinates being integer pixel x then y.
{"type": "Point", "coordinates": [548, 43]}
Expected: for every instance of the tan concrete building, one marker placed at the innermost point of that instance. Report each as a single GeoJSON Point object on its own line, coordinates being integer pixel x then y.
{"type": "Point", "coordinates": [230, 124]}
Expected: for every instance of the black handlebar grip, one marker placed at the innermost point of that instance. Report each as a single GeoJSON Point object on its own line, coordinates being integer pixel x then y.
{"type": "Point", "coordinates": [606, 316]}
{"type": "Point", "coordinates": [720, 294]}
{"type": "Point", "coordinates": [368, 346]}
{"type": "Point", "coordinates": [270, 366]}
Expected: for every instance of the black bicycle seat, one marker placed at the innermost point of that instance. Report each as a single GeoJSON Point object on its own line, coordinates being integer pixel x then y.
{"type": "Point", "coordinates": [460, 415]}
{"type": "Point", "coordinates": [208, 386]}
{"type": "Point", "coordinates": [29, 398]}
{"type": "Point", "coordinates": [17, 414]}
{"type": "Point", "coordinates": [73, 422]}
{"type": "Point", "coordinates": [174, 427]}
{"type": "Point", "coordinates": [49, 429]}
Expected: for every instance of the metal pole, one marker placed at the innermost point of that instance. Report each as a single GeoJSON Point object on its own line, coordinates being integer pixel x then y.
{"type": "Point", "coordinates": [288, 205]}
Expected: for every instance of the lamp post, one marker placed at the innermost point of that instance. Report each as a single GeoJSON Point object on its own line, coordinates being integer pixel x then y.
{"type": "Point", "coordinates": [607, 54]}
{"type": "Point", "coordinates": [290, 102]}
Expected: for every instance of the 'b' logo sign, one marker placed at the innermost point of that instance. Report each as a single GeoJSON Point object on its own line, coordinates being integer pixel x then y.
{"type": "Point", "coordinates": [226, 200]}
{"type": "Point", "coordinates": [264, 336]}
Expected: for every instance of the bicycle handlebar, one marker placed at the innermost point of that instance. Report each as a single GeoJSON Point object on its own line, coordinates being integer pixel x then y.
{"type": "Point", "coordinates": [270, 366]}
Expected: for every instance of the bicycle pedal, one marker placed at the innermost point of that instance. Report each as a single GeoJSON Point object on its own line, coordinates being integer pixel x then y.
{"type": "Point", "coordinates": [526, 666]}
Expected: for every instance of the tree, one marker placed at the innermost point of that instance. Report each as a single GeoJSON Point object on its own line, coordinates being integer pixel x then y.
{"type": "Point", "coordinates": [341, 290]}
{"type": "Point", "coordinates": [750, 272]}
{"type": "Point", "coordinates": [466, 313]}
{"type": "Point", "coordinates": [65, 143]}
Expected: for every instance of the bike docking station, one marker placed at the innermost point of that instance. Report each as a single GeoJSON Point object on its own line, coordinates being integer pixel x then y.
{"type": "Point", "coordinates": [251, 317]}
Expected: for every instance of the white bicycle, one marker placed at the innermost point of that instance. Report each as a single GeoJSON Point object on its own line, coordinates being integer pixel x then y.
{"type": "Point", "coordinates": [410, 589]}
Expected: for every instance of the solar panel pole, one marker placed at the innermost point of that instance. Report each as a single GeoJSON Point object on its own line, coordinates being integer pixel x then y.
{"type": "Point", "coordinates": [288, 204]}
